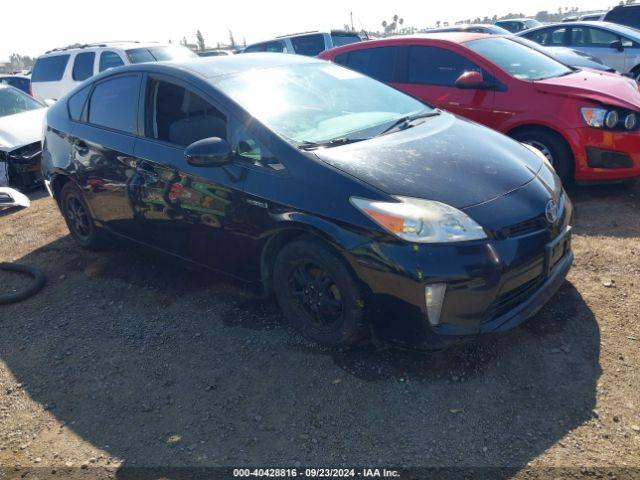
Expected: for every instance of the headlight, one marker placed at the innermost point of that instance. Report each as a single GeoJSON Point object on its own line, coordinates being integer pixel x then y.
{"type": "Point", "coordinates": [421, 221]}
{"type": "Point", "coordinates": [609, 118]}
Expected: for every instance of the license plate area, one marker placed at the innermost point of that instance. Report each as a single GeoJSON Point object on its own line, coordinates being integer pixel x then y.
{"type": "Point", "coordinates": [557, 249]}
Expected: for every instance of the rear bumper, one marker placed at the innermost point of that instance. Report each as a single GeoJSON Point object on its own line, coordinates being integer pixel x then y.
{"type": "Point", "coordinates": [602, 155]}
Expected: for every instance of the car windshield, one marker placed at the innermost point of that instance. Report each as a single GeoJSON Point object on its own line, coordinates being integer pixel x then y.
{"type": "Point", "coordinates": [14, 101]}
{"type": "Point", "coordinates": [159, 54]}
{"type": "Point", "coordinates": [518, 60]}
{"type": "Point", "coordinates": [318, 102]}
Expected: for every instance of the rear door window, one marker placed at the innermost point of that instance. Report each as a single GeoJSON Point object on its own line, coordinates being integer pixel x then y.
{"type": "Point", "coordinates": [114, 103]}
{"type": "Point", "coordinates": [437, 66]}
{"type": "Point", "coordinates": [83, 66]}
{"type": "Point", "coordinates": [378, 63]}
{"type": "Point", "coordinates": [310, 45]}
{"type": "Point", "coordinates": [110, 60]}
{"type": "Point", "coordinates": [49, 69]}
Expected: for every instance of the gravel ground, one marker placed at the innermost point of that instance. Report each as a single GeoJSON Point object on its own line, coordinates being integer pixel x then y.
{"type": "Point", "coordinates": [129, 360]}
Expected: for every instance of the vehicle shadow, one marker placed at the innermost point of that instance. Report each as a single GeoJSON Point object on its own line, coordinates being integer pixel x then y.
{"type": "Point", "coordinates": [595, 204]}
{"type": "Point", "coordinates": [173, 371]}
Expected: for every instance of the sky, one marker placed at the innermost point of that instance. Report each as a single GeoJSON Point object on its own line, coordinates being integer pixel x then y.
{"type": "Point", "coordinates": [34, 26]}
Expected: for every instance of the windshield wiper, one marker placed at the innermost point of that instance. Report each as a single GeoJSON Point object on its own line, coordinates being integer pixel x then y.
{"type": "Point", "coordinates": [334, 142]}
{"type": "Point", "coordinates": [407, 120]}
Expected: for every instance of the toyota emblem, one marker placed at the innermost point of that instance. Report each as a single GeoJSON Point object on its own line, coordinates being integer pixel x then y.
{"type": "Point", "coordinates": [552, 211]}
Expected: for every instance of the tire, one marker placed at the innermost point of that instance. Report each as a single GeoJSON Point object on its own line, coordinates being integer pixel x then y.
{"type": "Point", "coordinates": [553, 147]}
{"type": "Point", "coordinates": [318, 294]}
{"type": "Point", "coordinates": [79, 220]}
{"type": "Point", "coordinates": [33, 288]}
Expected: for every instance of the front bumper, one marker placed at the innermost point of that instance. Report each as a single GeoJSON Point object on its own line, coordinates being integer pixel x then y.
{"type": "Point", "coordinates": [602, 155]}
{"type": "Point", "coordinates": [492, 286]}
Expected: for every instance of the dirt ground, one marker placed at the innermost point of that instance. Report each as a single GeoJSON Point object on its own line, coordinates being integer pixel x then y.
{"type": "Point", "coordinates": [126, 360]}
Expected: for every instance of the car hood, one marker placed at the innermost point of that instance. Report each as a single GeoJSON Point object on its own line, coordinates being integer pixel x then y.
{"type": "Point", "coordinates": [600, 87]}
{"type": "Point", "coordinates": [21, 129]}
{"type": "Point", "coordinates": [446, 159]}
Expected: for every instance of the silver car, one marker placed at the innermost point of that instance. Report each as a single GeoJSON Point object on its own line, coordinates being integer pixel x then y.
{"type": "Point", "coordinates": [616, 45]}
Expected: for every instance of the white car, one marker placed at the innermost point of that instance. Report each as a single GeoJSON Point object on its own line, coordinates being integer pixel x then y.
{"type": "Point", "coordinates": [21, 118]}
{"type": "Point", "coordinates": [616, 45]}
{"type": "Point", "coordinates": [60, 70]}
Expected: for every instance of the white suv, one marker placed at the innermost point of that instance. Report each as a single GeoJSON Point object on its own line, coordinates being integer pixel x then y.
{"type": "Point", "coordinates": [60, 70]}
{"type": "Point", "coordinates": [310, 43]}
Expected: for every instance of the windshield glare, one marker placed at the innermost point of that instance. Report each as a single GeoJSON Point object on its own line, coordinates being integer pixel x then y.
{"type": "Point", "coordinates": [318, 102]}
{"type": "Point", "coordinates": [13, 101]}
{"type": "Point", "coordinates": [518, 60]}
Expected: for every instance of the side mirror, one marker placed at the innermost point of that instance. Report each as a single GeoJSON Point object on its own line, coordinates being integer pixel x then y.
{"type": "Point", "coordinates": [208, 152]}
{"type": "Point", "coordinates": [470, 79]}
{"type": "Point", "coordinates": [617, 45]}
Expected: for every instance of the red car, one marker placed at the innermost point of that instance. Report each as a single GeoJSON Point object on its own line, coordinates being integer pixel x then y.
{"type": "Point", "coordinates": [586, 122]}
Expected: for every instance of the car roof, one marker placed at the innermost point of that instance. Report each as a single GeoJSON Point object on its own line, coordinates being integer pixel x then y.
{"type": "Point", "coordinates": [514, 20]}
{"type": "Point", "coordinates": [451, 37]}
{"type": "Point", "coordinates": [616, 27]}
{"type": "Point", "coordinates": [210, 67]}
{"type": "Point", "coordinates": [125, 45]}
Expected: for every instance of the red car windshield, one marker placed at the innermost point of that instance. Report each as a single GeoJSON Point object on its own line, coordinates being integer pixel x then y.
{"type": "Point", "coordinates": [518, 60]}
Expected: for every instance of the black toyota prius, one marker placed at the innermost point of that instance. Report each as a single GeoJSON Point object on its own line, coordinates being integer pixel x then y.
{"type": "Point", "coordinates": [362, 209]}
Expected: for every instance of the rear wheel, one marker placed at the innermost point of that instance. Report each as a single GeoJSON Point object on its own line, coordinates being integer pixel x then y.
{"type": "Point", "coordinates": [318, 294]}
{"type": "Point", "coordinates": [79, 220]}
{"type": "Point", "coordinates": [552, 146]}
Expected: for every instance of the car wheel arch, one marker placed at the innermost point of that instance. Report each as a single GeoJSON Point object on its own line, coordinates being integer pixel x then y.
{"type": "Point", "coordinates": [57, 182]}
{"type": "Point", "coordinates": [536, 126]}
{"type": "Point", "coordinates": [296, 231]}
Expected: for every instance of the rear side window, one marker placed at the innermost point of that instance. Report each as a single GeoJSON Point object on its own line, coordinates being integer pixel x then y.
{"type": "Point", "coordinates": [310, 45]}
{"type": "Point", "coordinates": [344, 39]}
{"type": "Point", "coordinates": [110, 60]}
{"type": "Point", "coordinates": [275, 47]}
{"type": "Point", "coordinates": [437, 66]}
{"type": "Point", "coordinates": [83, 66]}
{"type": "Point", "coordinates": [114, 103]}
{"type": "Point", "coordinates": [77, 102]}
{"type": "Point", "coordinates": [378, 63]}
{"type": "Point", "coordinates": [49, 69]}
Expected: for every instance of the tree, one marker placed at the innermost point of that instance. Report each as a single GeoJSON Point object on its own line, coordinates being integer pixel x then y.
{"type": "Point", "coordinates": [232, 41]}
{"type": "Point", "coordinates": [200, 40]}
{"type": "Point", "coordinates": [183, 42]}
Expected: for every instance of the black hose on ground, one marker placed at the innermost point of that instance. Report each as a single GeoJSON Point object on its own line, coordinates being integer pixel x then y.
{"type": "Point", "coordinates": [33, 288]}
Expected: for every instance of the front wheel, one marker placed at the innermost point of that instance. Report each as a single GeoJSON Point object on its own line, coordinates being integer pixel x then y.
{"type": "Point", "coordinates": [553, 147]}
{"type": "Point", "coordinates": [318, 294]}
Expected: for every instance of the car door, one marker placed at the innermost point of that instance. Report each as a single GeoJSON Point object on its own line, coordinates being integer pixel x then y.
{"type": "Point", "coordinates": [102, 146]}
{"type": "Point", "coordinates": [601, 44]}
{"type": "Point", "coordinates": [192, 212]}
{"type": "Point", "coordinates": [430, 74]}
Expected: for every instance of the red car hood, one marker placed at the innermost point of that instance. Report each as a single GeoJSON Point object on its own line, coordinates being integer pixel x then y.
{"type": "Point", "coordinates": [601, 87]}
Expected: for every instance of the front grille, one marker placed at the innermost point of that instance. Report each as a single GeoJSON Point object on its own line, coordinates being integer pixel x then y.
{"type": "Point", "coordinates": [523, 228]}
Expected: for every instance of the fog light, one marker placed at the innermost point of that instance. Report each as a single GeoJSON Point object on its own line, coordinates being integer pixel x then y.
{"type": "Point", "coordinates": [434, 297]}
